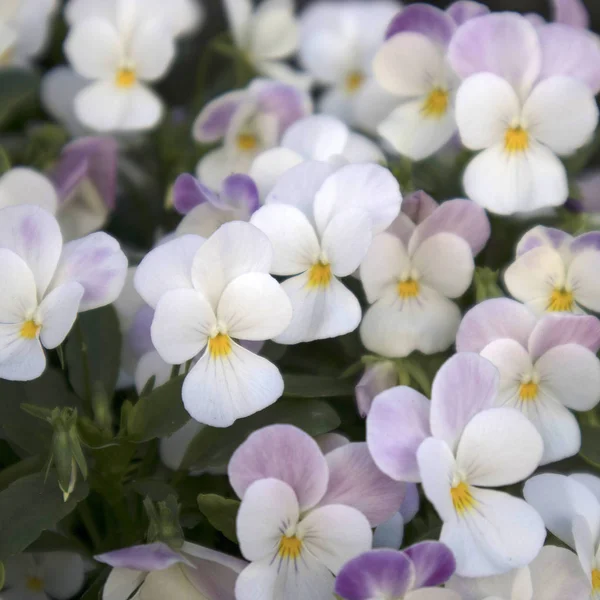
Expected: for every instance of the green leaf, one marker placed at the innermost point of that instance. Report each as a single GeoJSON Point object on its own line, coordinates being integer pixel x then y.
{"type": "Point", "coordinates": [4, 162]}
{"type": "Point", "coordinates": [155, 489]}
{"type": "Point", "coordinates": [50, 541]}
{"type": "Point", "coordinates": [316, 386]}
{"type": "Point", "coordinates": [18, 94]}
{"type": "Point", "coordinates": [212, 447]}
{"type": "Point", "coordinates": [94, 592]}
{"type": "Point", "coordinates": [2, 575]}
{"type": "Point", "coordinates": [93, 353]}
{"type": "Point", "coordinates": [590, 444]}
{"type": "Point", "coordinates": [27, 466]}
{"type": "Point", "coordinates": [221, 513]}
{"type": "Point", "coordinates": [158, 414]}
{"type": "Point", "coordinates": [30, 506]}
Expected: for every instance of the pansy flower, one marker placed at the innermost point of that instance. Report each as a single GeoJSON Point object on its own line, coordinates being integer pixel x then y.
{"type": "Point", "coordinates": [459, 445]}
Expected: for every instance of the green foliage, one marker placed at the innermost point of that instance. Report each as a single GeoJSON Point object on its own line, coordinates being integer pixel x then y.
{"type": "Point", "coordinates": [19, 91]}
{"type": "Point", "coordinates": [221, 513]}
{"type": "Point", "coordinates": [315, 386]}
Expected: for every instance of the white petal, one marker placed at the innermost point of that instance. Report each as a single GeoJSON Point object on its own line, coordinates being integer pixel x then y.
{"type": "Point", "coordinates": [254, 307]}
{"type": "Point", "coordinates": [319, 313]}
{"type": "Point", "coordinates": [584, 545]}
{"type": "Point", "coordinates": [121, 583]}
{"type": "Point", "coordinates": [234, 249]}
{"type": "Point", "coordinates": [273, 31]}
{"type": "Point", "coordinates": [18, 297]}
{"type": "Point", "coordinates": [151, 365]}
{"type": "Point", "coordinates": [238, 15]}
{"type": "Point", "coordinates": [63, 574]}
{"type": "Point", "coordinates": [346, 240]}
{"type": "Point", "coordinates": [270, 165]}
{"type": "Point", "coordinates": [268, 508]}
{"type": "Point", "coordinates": [167, 267]}
{"type": "Point", "coordinates": [518, 182]}
{"type": "Point", "coordinates": [335, 534]}
{"type": "Point", "coordinates": [592, 482]}
{"type": "Point", "coordinates": [445, 263]}
{"type": "Point", "coordinates": [217, 391]}
{"type": "Point", "coordinates": [295, 244]}
{"type": "Point", "coordinates": [318, 137]}
{"type": "Point", "coordinates": [24, 360]}
{"type": "Point", "coordinates": [58, 312]}
{"type": "Point", "coordinates": [499, 446]}
{"type": "Point", "coordinates": [485, 103]}
{"type": "Point", "coordinates": [26, 186]}
{"type": "Point", "coordinates": [361, 149]}
{"type": "Point", "coordinates": [151, 50]}
{"type": "Point", "coordinates": [583, 278]}
{"type": "Point", "coordinates": [205, 219]}
{"type": "Point", "coordinates": [182, 323]}
{"type": "Point", "coordinates": [563, 114]}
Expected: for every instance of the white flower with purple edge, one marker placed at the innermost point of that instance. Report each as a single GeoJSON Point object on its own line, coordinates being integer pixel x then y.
{"type": "Point", "coordinates": [46, 284]}
{"type": "Point", "coordinates": [304, 514]}
{"type": "Point", "coordinates": [413, 574]}
{"type": "Point", "coordinates": [248, 121]}
{"type": "Point", "coordinates": [205, 293]}
{"type": "Point", "coordinates": [320, 221]}
{"type": "Point", "coordinates": [546, 366]}
{"type": "Point", "coordinates": [554, 272]}
{"type": "Point", "coordinates": [458, 445]}
{"type": "Point", "coordinates": [412, 271]}
{"type": "Point", "coordinates": [522, 103]}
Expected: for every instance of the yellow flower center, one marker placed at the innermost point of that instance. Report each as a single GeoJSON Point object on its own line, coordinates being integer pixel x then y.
{"type": "Point", "coordinates": [408, 289]}
{"type": "Point", "coordinates": [528, 391]}
{"type": "Point", "coordinates": [219, 345]}
{"type": "Point", "coordinates": [354, 81]}
{"type": "Point", "coordinates": [319, 275]}
{"type": "Point", "coordinates": [35, 584]}
{"type": "Point", "coordinates": [516, 139]}
{"type": "Point", "coordinates": [125, 78]}
{"type": "Point", "coordinates": [290, 547]}
{"type": "Point", "coordinates": [560, 301]}
{"type": "Point", "coordinates": [436, 104]}
{"type": "Point", "coordinates": [30, 329]}
{"type": "Point", "coordinates": [247, 142]}
{"type": "Point", "coordinates": [462, 498]}
{"type": "Point", "coordinates": [596, 580]}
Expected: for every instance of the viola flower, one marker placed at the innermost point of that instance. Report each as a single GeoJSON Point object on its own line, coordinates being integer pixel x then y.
{"type": "Point", "coordinates": [398, 575]}
{"type": "Point", "coordinates": [411, 272]}
{"type": "Point", "coordinates": [570, 508]}
{"type": "Point", "coordinates": [391, 533]}
{"type": "Point", "coordinates": [554, 272]}
{"type": "Point", "coordinates": [121, 54]}
{"type": "Point", "coordinates": [206, 293]}
{"type": "Point", "coordinates": [459, 445]}
{"type": "Point", "coordinates": [412, 65]}
{"type": "Point", "coordinates": [318, 137]}
{"type": "Point", "coordinates": [303, 514]}
{"type": "Point", "coordinates": [546, 366]}
{"type": "Point", "coordinates": [248, 121]}
{"type": "Point", "coordinates": [376, 379]}
{"type": "Point", "coordinates": [154, 571]}
{"type": "Point", "coordinates": [554, 574]}
{"type": "Point", "coordinates": [46, 284]}
{"type": "Point", "coordinates": [22, 185]}
{"type": "Point", "coordinates": [205, 211]}
{"type": "Point", "coordinates": [41, 576]}
{"type": "Point", "coordinates": [338, 42]}
{"type": "Point", "coordinates": [320, 222]}
{"type": "Point", "coordinates": [521, 127]}
{"type": "Point", "coordinates": [267, 35]}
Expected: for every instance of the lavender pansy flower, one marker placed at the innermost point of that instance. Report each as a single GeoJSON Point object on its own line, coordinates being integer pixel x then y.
{"type": "Point", "coordinates": [554, 272]}
{"type": "Point", "coordinates": [327, 504]}
{"type": "Point", "coordinates": [411, 272]}
{"type": "Point", "coordinates": [248, 122]}
{"type": "Point", "coordinates": [459, 445]}
{"type": "Point", "coordinates": [398, 575]}
{"type": "Point", "coordinates": [205, 211]}
{"type": "Point", "coordinates": [546, 366]}
{"type": "Point", "coordinates": [155, 571]}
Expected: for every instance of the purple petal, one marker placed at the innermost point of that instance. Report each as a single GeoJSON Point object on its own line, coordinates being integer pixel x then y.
{"type": "Point", "coordinates": [589, 188]}
{"type": "Point", "coordinates": [542, 236]}
{"type": "Point", "coordinates": [93, 159]}
{"type": "Point", "coordinates": [285, 102]}
{"type": "Point", "coordinates": [570, 52]}
{"type": "Point", "coordinates": [426, 19]}
{"type": "Point", "coordinates": [465, 385]}
{"type": "Point", "coordinates": [150, 557]}
{"type": "Point", "coordinates": [240, 191]}
{"type": "Point", "coordinates": [587, 241]}
{"type": "Point", "coordinates": [460, 217]}
{"type": "Point", "coordinates": [535, 19]}
{"type": "Point", "coordinates": [571, 12]}
{"type": "Point", "coordinates": [464, 10]}
{"type": "Point", "coordinates": [505, 44]}
{"type": "Point", "coordinates": [138, 336]}
{"type": "Point", "coordinates": [491, 320]}
{"type": "Point", "coordinates": [188, 193]}
{"type": "Point", "coordinates": [376, 574]}
{"type": "Point", "coordinates": [397, 424]}
{"type": "Point", "coordinates": [411, 502]}
{"type": "Point", "coordinates": [213, 121]}
{"type": "Point", "coordinates": [418, 206]}
{"type": "Point", "coordinates": [376, 379]}
{"type": "Point", "coordinates": [560, 329]}
{"type": "Point", "coordinates": [355, 480]}
{"type": "Point", "coordinates": [434, 563]}
{"type": "Point", "coordinates": [281, 452]}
